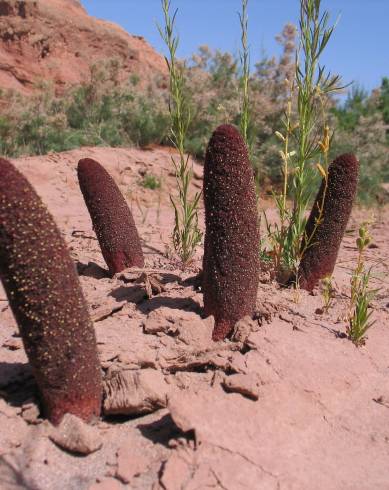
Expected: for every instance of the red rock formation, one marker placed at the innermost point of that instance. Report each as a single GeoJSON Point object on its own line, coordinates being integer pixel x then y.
{"type": "Point", "coordinates": [56, 40]}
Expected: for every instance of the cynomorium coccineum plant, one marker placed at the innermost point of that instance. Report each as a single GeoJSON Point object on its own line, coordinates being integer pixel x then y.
{"type": "Point", "coordinates": [111, 217]}
{"type": "Point", "coordinates": [324, 230]}
{"type": "Point", "coordinates": [231, 248]}
{"type": "Point", "coordinates": [45, 296]}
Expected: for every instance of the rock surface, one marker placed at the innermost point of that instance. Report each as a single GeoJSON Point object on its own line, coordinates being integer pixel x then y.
{"type": "Point", "coordinates": [74, 435]}
{"type": "Point", "coordinates": [245, 384]}
{"type": "Point", "coordinates": [57, 41]}
{"type": "Point", "coordinates": [131, 462]}
{"type": "Point", "coordinates": [134, 392]}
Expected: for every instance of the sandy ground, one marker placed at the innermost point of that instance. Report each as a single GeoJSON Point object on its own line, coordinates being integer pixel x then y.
{"type": "Point", "coordinates": [290, 404]}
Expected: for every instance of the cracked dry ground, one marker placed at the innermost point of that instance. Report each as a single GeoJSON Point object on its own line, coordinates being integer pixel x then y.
{"type": "Point", "coordinates": [289, 404]}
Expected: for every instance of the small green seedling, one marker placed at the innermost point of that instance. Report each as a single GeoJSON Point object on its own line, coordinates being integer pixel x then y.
{"type": "Point", "coordinates": [327, 291]}
{"type": "Point", "coordinates": [361, 294]}
{"type": "Point", "coordinates": [149, 181]}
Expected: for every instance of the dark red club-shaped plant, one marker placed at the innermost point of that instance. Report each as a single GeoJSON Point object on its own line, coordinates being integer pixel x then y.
{"type": "Point", "coordinates": [111, 217]}
{"type": "Point", "coordinates": [45, 296]}
{"type": "Point", "coordinates": [231, 248]}
{"type": "Point", "coordinates": [323, 237]}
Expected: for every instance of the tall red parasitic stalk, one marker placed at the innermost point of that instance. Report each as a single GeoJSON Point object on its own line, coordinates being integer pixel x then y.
{"type": "Point", "coordinates": [231, 248]}
{"type": "Point", "coordinates": [111, 217]}
{"type": "Point", "coordinates": [46, 299]}
{"type": "Point", "coordinates": [324, 237]}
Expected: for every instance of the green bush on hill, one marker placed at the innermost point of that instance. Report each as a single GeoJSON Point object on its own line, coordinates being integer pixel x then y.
{"type": "Point", "coordinates": [107, 113]}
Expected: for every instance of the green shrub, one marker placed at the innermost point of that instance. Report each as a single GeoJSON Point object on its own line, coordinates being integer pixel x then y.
{"type": "Point", "coordinates": [145, 125]}
{"type": "Point", "coordinates": [150, 181]}
{"type": "Point", "coordinates": [103, 112]}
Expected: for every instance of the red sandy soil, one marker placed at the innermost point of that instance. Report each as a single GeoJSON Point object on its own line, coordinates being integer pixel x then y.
{"type": "Point", "coordinates": [56, 41]}
{"type": "Point", "coordinates": [289, 404]}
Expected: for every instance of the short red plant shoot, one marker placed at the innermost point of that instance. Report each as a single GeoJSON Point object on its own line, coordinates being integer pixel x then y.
{"type": "Point", "coordinates": [327, 222]}
{"type": "Point", "coordinates": [111, 217]}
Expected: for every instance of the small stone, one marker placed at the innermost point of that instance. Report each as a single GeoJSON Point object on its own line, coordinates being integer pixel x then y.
{"type": "Point", "coordinates": [134, 392]}
{"type": "Point", "coordinates": [156, 322]}
{"type": "Point", "coordinates": [74, 435]}
{"type": "Point", "coordinates": [244, 384]}
{"type": "Point", "coordinates": [30, 413]}
{"type": "Point", "coordinates": [243, 328]}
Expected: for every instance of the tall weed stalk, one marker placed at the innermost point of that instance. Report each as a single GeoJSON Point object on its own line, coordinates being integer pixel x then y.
{"type": "Point", "coordinates": [186, 232]}
{"type": "Point", "coordinates": [306, 139]}
{"type": "Point", "coordinates": [245, 62]}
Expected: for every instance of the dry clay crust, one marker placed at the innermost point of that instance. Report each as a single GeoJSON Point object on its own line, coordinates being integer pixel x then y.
{"type": "Point", "coordinates": [45, 296]}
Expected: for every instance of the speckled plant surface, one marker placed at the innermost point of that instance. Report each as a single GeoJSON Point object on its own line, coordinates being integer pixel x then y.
{"type": "Point", "coordinates": [43, 290]}
{"type": "Point", "coordinates": [320, 257]}
{"type": "Point", "coordinates": [231, 248]}
{"type": "Point", "coordinates": [111, 217]}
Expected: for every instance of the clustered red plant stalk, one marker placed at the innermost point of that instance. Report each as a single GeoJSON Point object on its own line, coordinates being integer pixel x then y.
{"type": "Point", "coordinates": [327, 222]}
{"type": "Point", "coordinates": [111, 217]}
{"type": "Point", "coordinates": [231, 248]}
{"type": "Point", "coordinates": [45, 296]}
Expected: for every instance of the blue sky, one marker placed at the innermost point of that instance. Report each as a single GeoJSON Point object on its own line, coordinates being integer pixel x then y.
{"type": "Point", "coordinates": [359, 49]}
